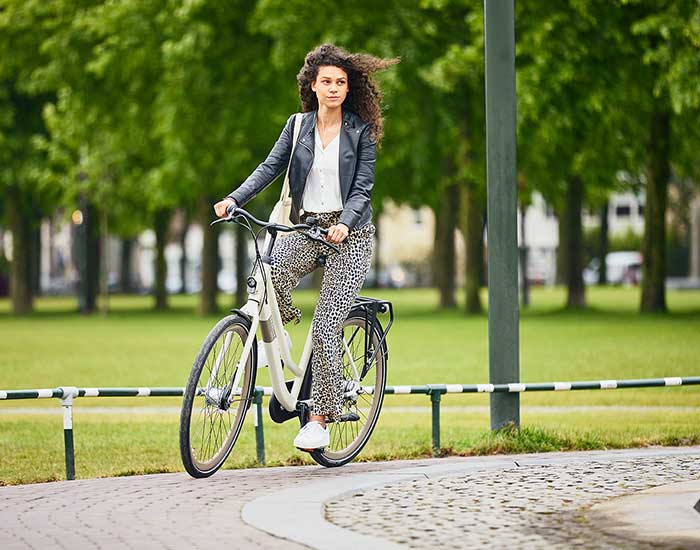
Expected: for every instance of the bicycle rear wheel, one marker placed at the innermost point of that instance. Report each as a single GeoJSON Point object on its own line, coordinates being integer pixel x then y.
{"type": "Point", "coordinates": [363, 397]}
{"type": "Point", "coordinates": [217, 397]}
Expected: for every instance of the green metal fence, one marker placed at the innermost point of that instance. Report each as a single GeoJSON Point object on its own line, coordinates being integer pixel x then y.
{"type": "Point", "coordinates": [67, 394]}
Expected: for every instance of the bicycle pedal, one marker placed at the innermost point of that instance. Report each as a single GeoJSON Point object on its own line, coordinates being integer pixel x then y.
{"type": "Point", "coordinates": [320, 449]}
{"type": "Point", "coordinates": [349, 417]}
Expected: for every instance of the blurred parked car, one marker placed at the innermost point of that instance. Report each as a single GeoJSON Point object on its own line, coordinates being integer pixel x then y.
{"type": "Point", "coordinates": [541, 267]}
{"type": "Point", "coordinates": [622, 268]}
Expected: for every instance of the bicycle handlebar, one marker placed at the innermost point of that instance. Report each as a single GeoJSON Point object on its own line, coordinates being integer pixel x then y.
{"type": "Point", "coordinates": [313, 228]}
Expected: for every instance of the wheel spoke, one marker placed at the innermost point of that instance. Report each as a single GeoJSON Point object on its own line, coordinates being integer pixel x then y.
{"type": "Point", "coordinates": [213, 425]}
{"type": "Point", "coordinates": [347, 438]}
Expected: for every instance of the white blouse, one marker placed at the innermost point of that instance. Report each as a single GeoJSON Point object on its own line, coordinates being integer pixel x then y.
{"type": "Point", "coordinates": [322, 191]}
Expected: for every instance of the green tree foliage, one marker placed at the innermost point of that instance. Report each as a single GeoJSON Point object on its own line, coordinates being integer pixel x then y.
{"type": "Point", "coordinates": [433, 98]}
{"type": "Point", "coordinates": [220, 110]}
{"type": "Point", "coordinates": [158, 104]}
{"type": "Point", "coordinates": [667, 81]}
{"type": "Point", "coordinates": [26, 198]}
{"type": "Point", "coordinates": [136, 109]}
{"type": "Point", "coordinates": [573, 110]}
{"type": "Point", "coordinates": [456, 74]}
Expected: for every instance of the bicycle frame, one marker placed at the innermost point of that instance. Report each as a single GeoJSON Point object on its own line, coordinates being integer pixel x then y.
{"type": "Point", "coordinates": [207, 438]}
{"type": "Point", "coordinates": [263, 311]}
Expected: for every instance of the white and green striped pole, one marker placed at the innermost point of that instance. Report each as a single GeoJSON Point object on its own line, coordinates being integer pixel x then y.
{"type": "Point", "coordinates": [258, 421]}
{"type": "Point", "coordinates": [435, 391]}
{"type": "Point", "coordinates": [68, 393]}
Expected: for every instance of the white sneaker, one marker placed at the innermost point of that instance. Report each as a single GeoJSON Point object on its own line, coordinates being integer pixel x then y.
{"type": "Point", "coordinates": [312, 436]}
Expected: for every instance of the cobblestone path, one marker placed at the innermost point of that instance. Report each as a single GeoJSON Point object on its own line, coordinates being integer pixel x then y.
{"type": "Point", "coordinates": [528, 501]}
{"type": "Point", "coordinates": [534, 506]}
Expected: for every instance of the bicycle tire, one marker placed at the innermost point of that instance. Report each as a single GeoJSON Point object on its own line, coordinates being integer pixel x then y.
{"type": "Point", "coordinates": [214, 415]}
{"type": "Point", "coordinates": [342, 449]}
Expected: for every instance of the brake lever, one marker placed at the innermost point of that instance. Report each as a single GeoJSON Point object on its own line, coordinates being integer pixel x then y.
{"type": "Point", "coordinates": [315, 235]}
{"type": "Point", "coordinates": [331, 245]}
{"type": "Point", "coordinates": [221, 220]}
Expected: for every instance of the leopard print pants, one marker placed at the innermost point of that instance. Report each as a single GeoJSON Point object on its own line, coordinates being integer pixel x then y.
{"type": "Point", "coordinates": [293, 257]}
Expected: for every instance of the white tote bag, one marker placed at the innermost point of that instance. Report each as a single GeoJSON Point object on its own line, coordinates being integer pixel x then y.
{"type": "Point", "coordinates": [283, 207]}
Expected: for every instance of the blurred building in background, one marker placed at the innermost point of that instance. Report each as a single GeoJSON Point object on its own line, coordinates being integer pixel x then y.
{"type": "Point", "coordinates": [404, 248]}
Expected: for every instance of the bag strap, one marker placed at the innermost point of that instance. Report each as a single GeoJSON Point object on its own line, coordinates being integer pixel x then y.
{"type": "Point", "coordinates": [297, 126]}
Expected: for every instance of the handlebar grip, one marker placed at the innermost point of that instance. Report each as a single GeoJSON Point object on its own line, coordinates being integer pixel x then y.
{"type": "Point", "coordinates": [233, 211]}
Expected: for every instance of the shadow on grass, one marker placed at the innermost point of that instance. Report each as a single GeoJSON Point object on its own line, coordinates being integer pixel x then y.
{"type": "Point", "coordinates": [597, 313]}
{"type": "Point", "coordinates": [510, 440]}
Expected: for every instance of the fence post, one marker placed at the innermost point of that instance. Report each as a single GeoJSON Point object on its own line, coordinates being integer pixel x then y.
{"type": "Point", "coordinates": [67, 403]}
{"type": "Point", "coordinates": [257, 418]}
{"type": "Point", "coordinates": [435, 396]}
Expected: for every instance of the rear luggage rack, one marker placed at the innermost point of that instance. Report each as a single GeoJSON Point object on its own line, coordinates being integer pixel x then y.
{"type": "Point", "coordinates": [370, 307]}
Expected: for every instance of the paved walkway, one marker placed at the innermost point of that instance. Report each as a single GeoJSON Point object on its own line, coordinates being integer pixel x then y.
{"type": "Point", "coordinates": [554, 500]}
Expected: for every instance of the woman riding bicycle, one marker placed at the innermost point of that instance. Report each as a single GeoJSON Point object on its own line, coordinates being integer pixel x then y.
{"type": "Point", "coordinates": [331, 175]}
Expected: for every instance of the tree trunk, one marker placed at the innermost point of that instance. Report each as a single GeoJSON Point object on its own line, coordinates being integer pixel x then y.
{"type": "Point", "coordinates": [576, 297]}
{"type": "Point", "coordinates": [210, 259]}
{"type": "Point", "coordinates": [104, 271]}
{"type": "Point", "coordinates": [658, 171]}
{"type": "Point", "coordinates": [87, 257]}
{"type": "Point", "coordinates": [93, 256]}
{"type": "Point", "coordinates": [160, 225]}
{"type": "Point", "coordinates": [125, 267]}
{"type": "Point", "coordinates": [474, 247]}
{"type": "Point", "coordinates": [20, 269]}
{"type": "Point", "coordinates": [52, 267]}
{"type": "Point", "coordinates": [183, 256]}
{"type": "Point", "coordinates": [563, 246]}
{"type": "Point", "coordinates": [35, 259]}
{"type": "Point", "coordinates": [241, 265]}
{"type": "Point", "coordinates": [603, 245]}
{"type": "Point", "coordinates": [524, 282]}
{"type": "Point", "coordinates": [444, 261]}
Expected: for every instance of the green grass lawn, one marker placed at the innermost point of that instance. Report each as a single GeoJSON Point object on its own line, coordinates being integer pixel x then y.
{"type": "Point", "coordinates": [134, 346]}
{"type": "Point", "coordinates": [111, 445]}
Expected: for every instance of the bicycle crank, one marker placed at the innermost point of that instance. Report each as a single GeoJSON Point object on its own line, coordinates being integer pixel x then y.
{"type": "Point", "coordinates": [349, 417]}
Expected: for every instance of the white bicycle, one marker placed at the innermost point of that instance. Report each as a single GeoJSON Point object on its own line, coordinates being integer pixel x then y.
{"type": "Point", "coordinates": [222, 381]}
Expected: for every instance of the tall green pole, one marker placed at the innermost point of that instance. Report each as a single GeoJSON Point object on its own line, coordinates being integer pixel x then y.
{"type": "Point", "coordinates": [502, 191]}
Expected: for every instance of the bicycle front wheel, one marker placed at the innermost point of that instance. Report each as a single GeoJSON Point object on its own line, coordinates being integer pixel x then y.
{"type": "Point", "coordinates": [363, 396]}
{"type": "Point", "coordinates": [217, 397]}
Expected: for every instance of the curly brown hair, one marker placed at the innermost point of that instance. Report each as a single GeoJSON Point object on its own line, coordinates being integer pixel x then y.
{"type": "Point", "coordinates": [364, 95]}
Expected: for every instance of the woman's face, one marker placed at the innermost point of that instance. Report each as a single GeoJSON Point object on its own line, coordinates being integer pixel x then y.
{"type": "Point", "coordinates": [331, 87]}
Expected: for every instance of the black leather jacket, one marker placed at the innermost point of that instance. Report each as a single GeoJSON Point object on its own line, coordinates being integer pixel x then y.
{"type": "Point", "coordinates": [356, 168]}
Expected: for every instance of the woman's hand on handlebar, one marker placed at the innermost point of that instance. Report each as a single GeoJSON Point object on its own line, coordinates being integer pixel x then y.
{"type": "Point", "coordinates": [337, 233]}
{"type": "Point", "coordinates": [221, 207]}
